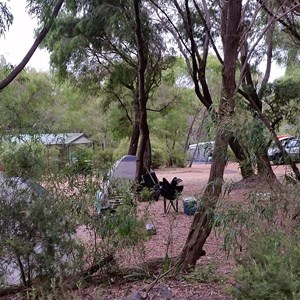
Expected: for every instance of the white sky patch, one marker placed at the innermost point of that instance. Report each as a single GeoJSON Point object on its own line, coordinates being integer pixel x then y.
{"type": "Point", "coordinates": [276, 70]}
{"type": "Point", "coordinates": [20, 37]}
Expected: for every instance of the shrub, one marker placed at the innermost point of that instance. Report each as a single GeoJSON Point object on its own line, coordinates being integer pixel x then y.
{"type": "Point", "coordinates": [122, 149]}
{"type": "Point", "coordinates": [82, 161]}
{"type": "Point", "coordinates": [36, 233]}
{"type": "Point", "coordinates": [103, 160]}
{"type": "Point", "coordinates": [176, 158]}
{"type": "Point", "coordinates": [270, 269]}
{"type": "Point", "coordinates": [24, 160]}
{"type": "Point", "coordinates": [159, 157]}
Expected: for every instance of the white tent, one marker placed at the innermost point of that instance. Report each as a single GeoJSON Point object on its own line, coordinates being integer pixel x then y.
{"type": "Point", "coordinates": [201, 152]}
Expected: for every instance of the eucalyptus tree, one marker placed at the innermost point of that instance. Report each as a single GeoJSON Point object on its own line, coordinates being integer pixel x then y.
{"type": "Point", "coordinates": [25, 101]}
{"type": "Point", "coordinates": [193, 26]}
{"type": "Point", "coordinates": [287, 13]}
{"type": "Point", "coordinates": [196, 29]}
{"type": "Point", "coordinates": [98, 41]}
{"type": "Point", "coordinates": [246, 37]}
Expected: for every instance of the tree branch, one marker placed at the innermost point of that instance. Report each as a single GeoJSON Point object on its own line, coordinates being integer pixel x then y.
{"type": "Point", "coordinates": [5, 82]}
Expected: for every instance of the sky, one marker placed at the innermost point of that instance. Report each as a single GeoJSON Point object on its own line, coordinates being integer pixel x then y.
{"type": "Point", "coordinates": [20, 37]}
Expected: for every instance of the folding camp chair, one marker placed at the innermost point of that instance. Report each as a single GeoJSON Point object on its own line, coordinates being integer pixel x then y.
{"type": "Point", "coordinates": [171, 192]}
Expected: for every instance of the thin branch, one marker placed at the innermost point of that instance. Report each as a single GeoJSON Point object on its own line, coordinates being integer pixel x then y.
{"type": "Point", "coordinates": [270, 23]}
{"type": "Point", "coordinates": [33, 48]}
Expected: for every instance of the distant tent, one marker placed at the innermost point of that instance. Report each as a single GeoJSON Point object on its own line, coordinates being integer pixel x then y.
{"type": "Point", "coordinates": [125, 167]}
{"type": "Point", "coordinates": [123, 170]}
{"type": "Point", "coordinates": [203, 151]}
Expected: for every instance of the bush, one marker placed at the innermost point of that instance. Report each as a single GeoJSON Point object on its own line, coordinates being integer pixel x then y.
{"type": "Point", "coordinates": [36, 234]}
{"type": "Point", "coordinates": [122, 149]}
{"type": "Point", "coordinates": [103, 160]}
{"type": "Point", "coordinates": [176, 159]}
{"type": "Point", "coordinates": [25, 160]}
{"type": "Point", "coordinates": [270, 269]}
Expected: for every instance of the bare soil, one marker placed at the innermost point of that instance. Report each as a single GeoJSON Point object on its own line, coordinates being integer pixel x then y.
{"type": "Point", "coordinates": [171, 232]}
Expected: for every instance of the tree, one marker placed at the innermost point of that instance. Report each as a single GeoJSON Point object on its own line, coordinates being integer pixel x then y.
{"type": "Point", "coordinates": [95, 41]}
{"type": "Point", "coordinates": [193, 34]}
{"type": "Point", "coordinates": [142, 98]}
{"type": "Point", "coordinates": [201, 226]}
{"type": "Point", "coordinates": [234, 40]}
{"type": "Point", "coordinates": [14, 73]}
{"type": "Point", "coordinates": [287, 13]}
{"type": "Point", "coordinates": [25, 102]}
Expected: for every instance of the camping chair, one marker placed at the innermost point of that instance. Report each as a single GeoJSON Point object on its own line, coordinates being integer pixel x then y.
{"type": "Point", "coordinates": [171, 192]}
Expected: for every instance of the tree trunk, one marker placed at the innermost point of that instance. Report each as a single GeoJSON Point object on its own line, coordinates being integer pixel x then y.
{"type": "Point", "coordinates": [264, 168]}
{"type": "Point", "coordinates": [134, 138]}
{"type": "Point", "coordinates": [147, 155]}
{"type": "Point", "coordinates": [198, 72]}
{"type": "Point", "coordinates": [201, 226]}
{"type": "Point", "coordinates": [244, 162]}
{"type": "Point", "coordinates": [135, 135]}
{"type": "Point", "coordinates": [142, 98]}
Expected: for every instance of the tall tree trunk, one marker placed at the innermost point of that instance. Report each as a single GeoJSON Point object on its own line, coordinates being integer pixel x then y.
{"type": "Point", "coordinates": [133, 145]}
{"type": "Point", "coordinates": [142, 64]}
{"type": "Point", "coordinates": [148, 155]}
{"type": "Point", "coordinates": [197, 69]}
{"type": "Point", "coordinates": [264, 168]}
{"type": "Point", "coordinates": [135, 135]}
{"type": "Point", "coordinates": [201, 226]}
{"type": "Point", "coordinates": [244, 163]}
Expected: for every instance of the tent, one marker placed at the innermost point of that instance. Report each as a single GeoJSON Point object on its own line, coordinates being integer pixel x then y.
{"type": "Point", "coordinates": [122, 173]}
{"type": "Point", "coordinates": [203, 151]}
{"type": "Point", "coordinates": [125, 167]}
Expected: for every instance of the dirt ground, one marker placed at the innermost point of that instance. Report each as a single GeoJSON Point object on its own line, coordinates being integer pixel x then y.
{"type": "Point", "coordinates": [171, 232]}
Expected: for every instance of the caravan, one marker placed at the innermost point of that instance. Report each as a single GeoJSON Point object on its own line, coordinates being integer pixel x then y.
{"type": "Point", "coordinates": [201, 152]}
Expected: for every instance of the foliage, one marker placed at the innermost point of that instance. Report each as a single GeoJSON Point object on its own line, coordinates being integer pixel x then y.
{"type": "Point", "coordinates": [6, 18]}
{"type": "Point", "coordinates": [249, 132]}
{"type": "Point", "coordinates": [102, 160]}
{"type": "Point", "coordinates": [121, 150]}
{"type": "Point", "coordinates": [81, 162]}
{"type": "Point", "coordinates": [25, 103]}
{"type": "Point", "coordinates": [270, 269]}
{"type": "Point", "coordinates": [25, 160]}
{"type": "Point", "coordinates": [37, 234]}
{"type": "Point", "coordinates": [263, 235]}
{"type": "Point", "coordinates": [159, 153]}
{"type": "Point", "coordinates": [177, 157]}
{"type": "Point", "coordinates": [282, 100]}
{"type": "Point", "coordinates": [204, 274]}
{"type": "Point", "coordinates": [112, 231]}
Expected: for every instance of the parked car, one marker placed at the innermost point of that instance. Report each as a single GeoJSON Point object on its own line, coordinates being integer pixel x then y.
{"type": "Point", "coordinates": [291, 145]}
